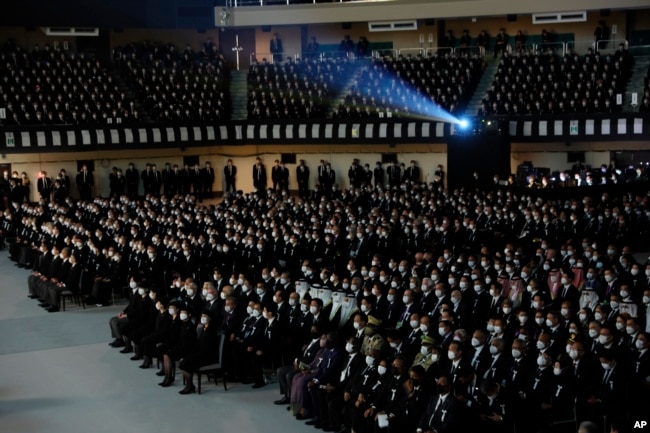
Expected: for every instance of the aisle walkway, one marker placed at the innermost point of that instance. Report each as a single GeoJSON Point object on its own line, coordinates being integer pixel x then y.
{"type": "Point", "coordinates": [58, 374]}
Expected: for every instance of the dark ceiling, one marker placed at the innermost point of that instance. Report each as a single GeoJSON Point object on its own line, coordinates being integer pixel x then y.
{"type": "Point", "coordinates": [109, 13]}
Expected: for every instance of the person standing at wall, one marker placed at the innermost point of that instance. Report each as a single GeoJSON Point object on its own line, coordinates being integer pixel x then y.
{"type": "Point", "coordinates": [230, 175]}
{"type": "Point", "coordinates": [277, 50]}
{"type": "Point", "coordinates": [85, 183]}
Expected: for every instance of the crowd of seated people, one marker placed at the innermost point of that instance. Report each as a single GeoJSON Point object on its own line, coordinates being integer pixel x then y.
{"type": "Point", "coordinates": [407, 308]}
{"type": "Point", "coordinates": [533, 83]}
{"type": "Point", "coordinates": [53, 86]}
{"type": "Point", "coordinates": [413, 85]}
{"type": "Point", "coordinates": [177, 86]}
{"type": "Point", "coordinates": [295, 89]}
{"type": "Point", "coordinates": [579, 175]}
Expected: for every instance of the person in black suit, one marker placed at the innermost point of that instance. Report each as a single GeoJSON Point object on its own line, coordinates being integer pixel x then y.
{"type": "Point", "coordinates": [441, 415]}
{"type": "Point", "coordinates": [166, 178]}
{"type": "Point", "coordinates": [230, 175]}
{"type": "Point", "coordinates": [276, 48]}
{"type": "Point", "coordinates": [302, 176]}
{"type": "Point", "coordinates": [379, 173]}
{"type": "Point", "coordinates": [276, 175]}
{"type": "Point", "coordinates": [182, 340]}
{"type": "Point", "coordinates": [610, 392]}
{"type": "Point", "coordinates": [85, 183]}
{"type": "Point", "coordinates": [147, 178]}
{"type": "Point", "coordinates": [207, 180]}
{"type": "Point", "coordinates": [132, 181]}
{"type": "Point", "coordinates": [185, 180]}
{"type": "Point", "coordinates": [195, 182]}
{"type": "Point", "coordinates": [259, 177]}
{"type": "Point", "coordinates": [284, 177]}
{"type": "Point", "coordinates": [156, 181]}
{"type": "Point", "coordinates": [204, 352]}
{"type": "Point", "coordinates": [322, 176]}
{"type": "Point", "coordinates": [493, 409]}
{"type": "Point", "coordinates": [174, 181]}
{"type": "Point", "coordinates": [413, 173]}
{"type": "Point", "coordinates": [44, 186]}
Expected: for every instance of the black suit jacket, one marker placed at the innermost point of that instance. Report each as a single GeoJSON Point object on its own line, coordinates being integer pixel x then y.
{"type": "Point", "coordinates": [442, 418]}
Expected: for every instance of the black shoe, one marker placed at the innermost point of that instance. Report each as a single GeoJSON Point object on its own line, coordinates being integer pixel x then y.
{"type": "Point", "coordinates": [127, 349]}
{"type": "Point", "coordinates": [90, 300]}
{"type": "Point", "coordinates": [117, 343]}
{"type": "Point", "coordinates": [44, 305]}
{"type": "Point", "coordinates": [160, 373]}
{"type": "Point", "coordinates": [283, 400]}
{"type": "Point", "coordinates": [53, 309]}
{"type": "Point", "coordinates": [258, 385]}
{"type": "Point", "coordinates": [136, 358]}
{"type": "Point", "coordinates": [165, 384]}
{"type": "Point", "coordinates": [32, 296]}
{"type": "Point", "coordinates": [185, 391]}
{"type": "Point", "coordinates": [146, 365]}
{"type": "Point", "coordinates": [313, 422]}
{"type": "Point", "coordinates": [246, 381]}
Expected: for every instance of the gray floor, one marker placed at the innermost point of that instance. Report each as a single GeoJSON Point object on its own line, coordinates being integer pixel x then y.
{"type": "Point", "coordinates": [57, 374]}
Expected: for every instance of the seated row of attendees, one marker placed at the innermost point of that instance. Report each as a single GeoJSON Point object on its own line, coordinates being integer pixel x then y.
{"type": "Point", "coordinates": [414, 84]}
{"type": "Point", "coordinates": [461, 304]}
{"type": "Point", "coordinates": [580, 175]}
{"type": "Point", "coordinates": [177, 86]}
{"type": "Point", "coordinates": [530, 83]}
{"type": "Point", "coordinates": [292, 89]}
{"type": "Point", "coordinates": [57, 86]}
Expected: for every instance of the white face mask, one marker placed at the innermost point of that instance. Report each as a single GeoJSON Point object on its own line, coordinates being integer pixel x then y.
{"type": "Point", "coordinates": [183, 316]}
{"type": "Point", "coordinates": [639, 344]}
{"type": "Point", "coordinates": [381, 370]}
{"type": "Point", "coordinates": [141, 292]}
{"type": "Point", "coordinates": [602, 339]}
{"type": "Point", "coordinates": [451, 355]}
{"type": "Point", "coordinates": [249, 310]}
{"type": "Point", "coordinates": [133, 284]}
{"type": "Point", "coordinates": [475, 342]}
{"type": "Point", "coordinates": [349, 347]}
{"type": "Point", "coordinates": [313, 310]}
{"type": "Point", "coordinates": [541, 361]}
{"type": "Point", "coordinates": [209, 297]}
{"type": "Point", "coordinates": [557, 371]}
{"type": "Point", "coordinates": [172, 311]}
{"type": "Point", "coordinates": [304, 308]}
{"type": "Point", "coordinates": [204, 320]}
{"type": "Point", "coordinates": [256, 313]}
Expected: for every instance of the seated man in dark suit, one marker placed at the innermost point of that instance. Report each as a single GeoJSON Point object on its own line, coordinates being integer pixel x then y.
{"type": "Point", "coordinates": [441, 415]}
